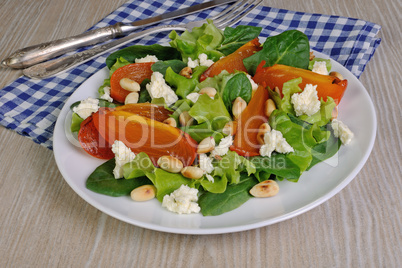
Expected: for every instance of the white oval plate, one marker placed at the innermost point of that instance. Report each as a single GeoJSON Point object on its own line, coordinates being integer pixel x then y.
{"type": "Point", "coordinates": [314, 187]}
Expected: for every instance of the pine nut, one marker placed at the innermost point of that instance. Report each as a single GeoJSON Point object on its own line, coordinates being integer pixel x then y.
{"type": "Point", "coordinates": [170, 164]}
{"type": "Point", "coordinates": [143, 193]}
{"type": "Point", "coordinates": [266, 188]}
{"type": "Point", "coordinates": [269, 107]}
{"type": "Point", "coordinates": [238, 107]}
{"type": "Point", "coordinates": [132, 98]}
{"type": "Point", "coordinates": [185, 119]}
{"type": "Point", "coordinates": [192, 172]}
{"type": "Point", "coordinates": [335, 112]}
{"type": "Point", "coordinates": [336, 74]}
{"type": "Point", "coordinates": [171, 122]}
{"type": "Point", "coordinates": [186, 72]}
{"type": "Point", "coordinates": [264, 128]}
{"type": "Point", "coordinates": [129, 84]}
{"type": "Point", "coordinates": [230, 128]}
{"type": "Point", "coordinates": [206, 145]}
{"type": "Point", "coordinates": [277, 90]}
{"type": "Point", "coordinates": [210, 91]}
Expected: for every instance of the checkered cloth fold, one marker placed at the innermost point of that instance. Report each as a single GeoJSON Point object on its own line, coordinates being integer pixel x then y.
{"type": "Point", "coordinates": [31, 107]}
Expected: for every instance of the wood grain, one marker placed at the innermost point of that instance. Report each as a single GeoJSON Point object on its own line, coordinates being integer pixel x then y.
{"type": "Point", "coordinates": [44, 223]}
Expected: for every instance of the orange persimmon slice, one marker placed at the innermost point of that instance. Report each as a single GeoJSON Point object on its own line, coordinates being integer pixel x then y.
{"type": "Point", "coordinates": [233, 62]}
{"type": "Point", "coordinates": [245, 141]}
{"type": "Point", "coordinates": [149, 110]}
{"type": "Point", "coordinates": [142, 134]}
{"type": "Point", "coordinates": [92, 142]}
{"type": "Point", "coordinates": [135, 71]}
{"type": "Point", "coordinates": [276, 75]}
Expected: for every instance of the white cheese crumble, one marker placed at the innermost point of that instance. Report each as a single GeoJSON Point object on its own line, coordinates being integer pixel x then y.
{"type": "Point", "coordinates": [223, 146]}
{"type": "Point", "coordinates": [274, 141]}
{"type": "Point", "coordinates": [204, 61]}
{"type": "Point", "coordinates": [193, 96]}
{"type": "Point", "coordinates": [106, 95]}
{"type": "Point", "coordinates": [182, 201]}
{"type": "Point", "coordinates": [147, 58]}
{"type": "Point", "coordinates": [87, 107]}
{"type": "Point", "coordinates": [254, 85]}
{"type": "Point", "coordinates": [123, 155]}
{"type": "Point", "coordinates": [307, 101]}
{"type": "Point", "coordinates": [158, 88]}
{"type": "Point", "coordinates": [201, 61]}
{"type": "Point", "coordinates": [342, 131]}
{"type": "Point", "coordinates": [320, 67]}
{"type": "Point", "coordinates": [192, 63]}
{"type": "Point", "coordinates": [206, 163]}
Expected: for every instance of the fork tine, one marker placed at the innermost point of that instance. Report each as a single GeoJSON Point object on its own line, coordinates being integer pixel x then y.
{"type": "Point", "coordinates": [238, 16]}
{"type": "Point", "coordinates": [237, 7]}
{"type": "Point", "coordinates": [227, 10]}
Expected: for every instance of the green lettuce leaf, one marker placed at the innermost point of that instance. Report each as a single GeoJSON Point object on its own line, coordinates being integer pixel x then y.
{"type": "Point", "coordinates": [202, 131]}
{"type": "Point", "coordinates": [166, 182]}
{"type": "Point", "coordinates": [290, 87]}
{"type": "Point", "coordinates": [210, 110]}
{"type": "Point", "coordinates": [326, 149]}
{"type": "Point", "coordinates": [299, 137]}
{"type": "Point", "coordinates": [182, 85]}
{"type": "Point", "coordinates": [327, 63]}
{"type": "Point", "coordinates": [205, 39]}
{"type": "Point", "coordinates": [139, 167]}
{"type": "Point", "coordinates": [324, 115]}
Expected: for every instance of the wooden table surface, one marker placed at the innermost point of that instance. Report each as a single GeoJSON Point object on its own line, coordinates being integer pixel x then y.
{"type": "Point", "coordinates": [44, 223]}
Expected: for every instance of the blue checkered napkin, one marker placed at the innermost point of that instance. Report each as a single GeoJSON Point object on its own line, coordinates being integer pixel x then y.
{"type": "Point", "coordinates": [31, 107]}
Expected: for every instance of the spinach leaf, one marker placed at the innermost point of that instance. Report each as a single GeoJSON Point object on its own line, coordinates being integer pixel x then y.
{"type": "Point", "coordinates": [161, 66]}
{"type": "Point", "coordinates": [235, 195]}
{"type": "Point", "coordinates": [236, 37]}
{"type": "Point", "coordinates": [278, 164]}
{"type": "Point", "coordinates": [144, 94]}
{"type": "Point", "coordinates": [290, 48]}
{"type": "Point", "coordinates": [133, 52]}
{"type": "Point", "coordinates": [102, 181]}
{"type": "Point", "coordinates": [237, 86]}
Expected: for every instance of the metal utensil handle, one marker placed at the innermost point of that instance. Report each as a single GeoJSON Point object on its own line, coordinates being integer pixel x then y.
{"type": "Point", "coordinates": [49, 68]}
{"type": "Point", "coordinates": [34, 54]}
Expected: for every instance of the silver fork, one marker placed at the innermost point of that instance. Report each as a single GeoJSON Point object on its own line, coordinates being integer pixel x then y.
{"type": "Point", "coordinates": [226, 18]}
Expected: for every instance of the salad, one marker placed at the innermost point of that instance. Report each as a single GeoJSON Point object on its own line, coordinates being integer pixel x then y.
{"type": "Point", "coordinates": [212, 120]}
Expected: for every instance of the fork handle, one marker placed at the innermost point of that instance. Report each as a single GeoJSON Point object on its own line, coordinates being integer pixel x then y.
{"type": "Point", "coordinates": [38, 53]}
{"type": "Point", "coordinates": [50, 68]}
